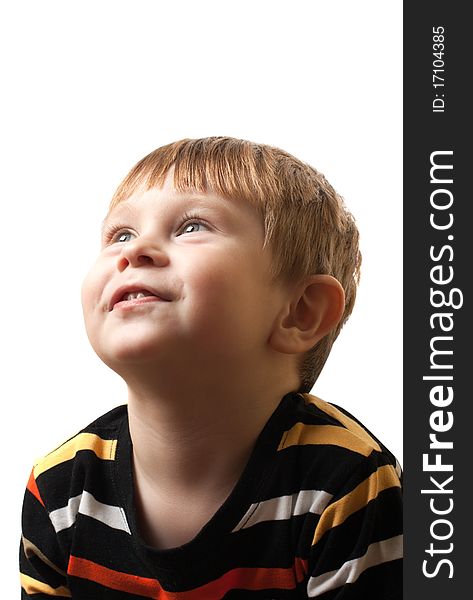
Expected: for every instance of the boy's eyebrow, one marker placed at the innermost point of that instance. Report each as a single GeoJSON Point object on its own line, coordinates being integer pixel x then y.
{"type": "Point", "coordinates": [203, 199]}
{"type": "Point", "coordinates": [122, 207]}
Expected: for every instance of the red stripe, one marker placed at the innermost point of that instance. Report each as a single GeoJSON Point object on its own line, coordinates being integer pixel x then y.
{"type": "Point", "coordinates": [300, 568]}
{"type": "Point", "coordinates": [243, 578]}
{"type": "Point", "coordinates": [248, 579]}
{"type": "Point", "coordinates": [116, 580]}
{"type": "Point", "coordinates": [33, 488]}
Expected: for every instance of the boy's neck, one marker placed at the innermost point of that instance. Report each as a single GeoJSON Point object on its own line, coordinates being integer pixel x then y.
{"type": "Point", "coordinates": [191, 436]}
{"type": "Point", "coordinates": [192, 439]}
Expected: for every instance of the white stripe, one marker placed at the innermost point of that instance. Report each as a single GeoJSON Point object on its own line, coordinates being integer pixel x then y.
{"type": "Point", "coordinates": [113, 516]}
{"type": "Point", "coordinates": [285, 507]}
{"type": "Point", "coordinates": [86, 504]}
{"type": "Point", "coordinates": [377, 553]}
{"type": "Point", "coordinates": [62, 518]}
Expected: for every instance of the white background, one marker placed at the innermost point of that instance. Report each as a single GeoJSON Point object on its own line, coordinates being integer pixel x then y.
{"type": "Point", "coordinates": [90, 87]}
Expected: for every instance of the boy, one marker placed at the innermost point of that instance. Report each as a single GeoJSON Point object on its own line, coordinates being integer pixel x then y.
{"type": "Point", "coordinates": [227, 270]}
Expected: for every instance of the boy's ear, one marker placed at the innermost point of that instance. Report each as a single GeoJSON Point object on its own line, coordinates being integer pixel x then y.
{"type": "Point", "coordinates": [313, 311]}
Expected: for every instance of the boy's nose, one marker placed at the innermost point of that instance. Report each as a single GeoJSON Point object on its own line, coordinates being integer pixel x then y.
{"type": "Point", "coordinates": [139, 252]}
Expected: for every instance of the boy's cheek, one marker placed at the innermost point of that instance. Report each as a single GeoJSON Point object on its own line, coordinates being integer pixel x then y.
{"type": "Point", "coordinates": [91, 290]}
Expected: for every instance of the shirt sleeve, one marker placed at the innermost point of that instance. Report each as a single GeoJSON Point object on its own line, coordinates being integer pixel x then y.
{"type": "Point", "coordinates": [357, 546]}
{"type": "Point", "coordinates": [42, 563]}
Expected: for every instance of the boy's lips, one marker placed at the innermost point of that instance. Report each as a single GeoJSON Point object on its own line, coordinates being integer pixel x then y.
{"type": "Point", "coordinates": [122, 294]}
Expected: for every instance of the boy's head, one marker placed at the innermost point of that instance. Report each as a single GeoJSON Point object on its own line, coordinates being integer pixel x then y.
{"type": "Point", "coordinates": [306, 227]}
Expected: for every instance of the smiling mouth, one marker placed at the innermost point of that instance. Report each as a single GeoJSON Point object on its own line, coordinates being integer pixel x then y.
{"type": "Point", "coordinates": [131, 298]}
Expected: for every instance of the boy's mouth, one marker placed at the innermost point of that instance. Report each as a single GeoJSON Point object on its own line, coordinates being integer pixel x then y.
{"type": "Point", "coordinates": [134, 293]}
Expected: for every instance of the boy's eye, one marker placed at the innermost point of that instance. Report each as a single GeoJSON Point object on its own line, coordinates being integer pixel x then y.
{"type": "Point", "coordinates": [124, 236]}
{"type": "Point", "coordinates": [121, 235]}
{"type": "Point", "coordinates": [192, 227]}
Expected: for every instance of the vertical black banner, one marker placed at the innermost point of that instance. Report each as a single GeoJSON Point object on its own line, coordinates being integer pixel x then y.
{"type": "Point", "coordinates": [438, 268]}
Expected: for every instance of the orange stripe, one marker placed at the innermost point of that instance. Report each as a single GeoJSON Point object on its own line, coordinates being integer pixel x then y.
{"type": "Point", "coordinates": [350, 424]}
{"type": "Point", "coordinates": [300, 567]}
{"type": "Point", "coordinates": [247, 579]}
{"type": "Point", "coordinates": [116, 580]}
{"type": "Point", "coordinates": [244, 578]}
{"type": "Point", "coordinates": [33, 488]}
{"type": "Point", "coordinates": [104, 449]}
{"type": "Point", "coordinates": [301, 434]}
{"type": "Point", "coordinates": [383, 478]}
{"type": "Point", "coordinates": [34, 586]}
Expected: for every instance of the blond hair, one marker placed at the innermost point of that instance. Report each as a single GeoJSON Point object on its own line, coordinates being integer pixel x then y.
{"type": "Point", "coordinates": [306, 224]}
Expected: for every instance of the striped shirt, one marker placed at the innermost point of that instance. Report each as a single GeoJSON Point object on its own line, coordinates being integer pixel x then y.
{"type": "Point", "coordinates": [316, 513]}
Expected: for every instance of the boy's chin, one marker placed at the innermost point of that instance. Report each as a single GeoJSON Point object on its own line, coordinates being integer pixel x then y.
{"type": "Point", "coordinates": [129, 352]}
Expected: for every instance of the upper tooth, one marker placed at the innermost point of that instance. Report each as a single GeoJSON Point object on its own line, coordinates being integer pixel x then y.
{"type": "Point", "coordinates": [136, 295]}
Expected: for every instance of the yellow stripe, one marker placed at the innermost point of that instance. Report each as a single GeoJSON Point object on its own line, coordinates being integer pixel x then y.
{"type": "Point", "coordinates": [350, 424]}
{"type": "Point", "coordinates": [301, 435]}
{"type": "Point", "coordinates": [31, 550]}
{"type": "Point", "coordinates": [33, 586]}
{"type": "Point", "coordinates": [104, 449]}
{"type": "Point", "coordinates": [385, 477]}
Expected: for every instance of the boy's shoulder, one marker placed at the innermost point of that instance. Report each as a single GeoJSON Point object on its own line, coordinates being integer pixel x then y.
{"type": "Point", "coordinates": [319, 423]}
{"type": "Point", "coordinates": [326, 457]}
{"type": "Point", "coordinates": [331, 422]}
{"type": "Point", "coordinates": [100, 437]}
{"type": "Point", "coordinates": [95, 443]}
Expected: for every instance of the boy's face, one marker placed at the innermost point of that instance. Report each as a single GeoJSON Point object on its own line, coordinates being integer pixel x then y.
{"type": "Point", "coordinates": [209, 297]}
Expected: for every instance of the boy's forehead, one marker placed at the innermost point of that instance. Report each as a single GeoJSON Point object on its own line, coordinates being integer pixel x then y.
{"type": "Point", "coordinates": [168, 195]}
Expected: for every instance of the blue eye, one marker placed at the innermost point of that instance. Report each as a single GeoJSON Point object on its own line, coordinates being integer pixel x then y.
{"type": "Point", "coordinates": [120, 235]}
{"type": "Point", "coordinates": [192, 224]}
{"type": "Point", "coordinates": [123, 236]}
{"type": "Point", "coordinates": [114, 233]}
{"type": "Point", "coordinates": [193, 227]}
